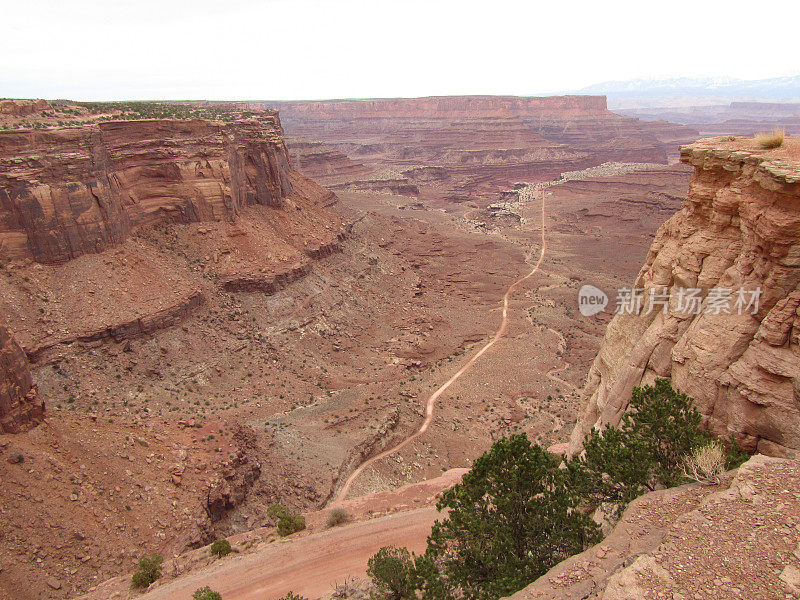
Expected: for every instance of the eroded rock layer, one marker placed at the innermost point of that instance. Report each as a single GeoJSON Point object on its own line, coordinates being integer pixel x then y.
{"type": "Point", "coordinates": [484, 144]}
{"type": "Point", "coordinates": [738, 229]}
{"type": "Point", "coordinates": [70, 191]}
{"type": "Point", "coordinates": [20, 406]}
{"type": "Point", "coordinates": [498, 122]}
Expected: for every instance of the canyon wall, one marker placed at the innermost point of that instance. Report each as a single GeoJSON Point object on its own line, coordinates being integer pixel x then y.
{"type": "Point", "coordinates": [20, 406]}
{"type": "Point", "coordinates": [483, 144]}
{"type": "Point", "coordinates": [324, 164]}
{"type": "Point", "coordinates": [582, 122]}
{"type": "Point", "coordinates": [738, 229]}
{"type": "Point", "coordinates": [65, 192]}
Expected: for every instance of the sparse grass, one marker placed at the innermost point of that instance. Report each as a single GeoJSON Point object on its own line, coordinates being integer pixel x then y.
{"type": "Point", "coordinates": [771, 139]}
{"type": "Point", "coordinates": [338, 516]}
{"type": "Point", "coordinates": [706, 464]}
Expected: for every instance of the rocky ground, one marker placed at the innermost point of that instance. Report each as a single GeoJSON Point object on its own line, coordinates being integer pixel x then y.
{"type": "Point", "coordinates": [739, 539]}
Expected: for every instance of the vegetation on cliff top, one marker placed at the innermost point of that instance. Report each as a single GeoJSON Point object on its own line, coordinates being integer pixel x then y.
{"type": "Point", "coordinates": [771, 139]}
{"type": "Point", "coordinates": [520, 510]}
{"type": "Point", "coordinates": [162, 110]}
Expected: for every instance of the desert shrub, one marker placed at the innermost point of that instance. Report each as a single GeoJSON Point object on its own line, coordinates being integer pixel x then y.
{"type": "Point", "coordinates": [149, 569]}
{"type": "Point", "coordinates": [276, 511]}
{"type": "Point", "coordinates": [705, 464]}
{"type": "Point", "coordinates": [292, 596]}
{"type": "Point", "coordinates": [771, 139]}
{"type": "Point", "coordinates": [206, 593]}
{"type": "Point", "coordinates": [392, 572]}
{"type": "Point", "coordinates": [646, 451]}
{"type": "Point", "coordinates": [513, 517]}
{"type": "Point", "coordinates": [337, 516]}
{"type": "Point", "coordinates": [289, 524]}
{"type": "Point", "coordinates": [221, 548]}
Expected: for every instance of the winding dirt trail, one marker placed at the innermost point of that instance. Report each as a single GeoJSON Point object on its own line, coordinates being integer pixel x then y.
{"type": "Point", "coordinates": [551, 374]}
{"type": "Point", "coordinates": [431, 403]}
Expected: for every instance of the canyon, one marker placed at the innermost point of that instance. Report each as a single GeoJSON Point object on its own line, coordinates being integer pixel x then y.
{"type": "Point", "coordinates": [212, 331]}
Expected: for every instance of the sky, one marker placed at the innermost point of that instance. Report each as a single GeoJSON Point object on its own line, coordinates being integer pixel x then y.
{"type": "Point", "coordinates": [317, 49]}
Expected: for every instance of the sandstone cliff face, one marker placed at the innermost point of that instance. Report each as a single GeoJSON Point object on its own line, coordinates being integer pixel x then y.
{"type": "Point", "coordinates": [20, 406]}
{"type": "Point", "coordinates": [322, 163]}
{"type": "Point", "coordinates": [739, 228]}
{"type": "Point", "coordinates": [70, 191]}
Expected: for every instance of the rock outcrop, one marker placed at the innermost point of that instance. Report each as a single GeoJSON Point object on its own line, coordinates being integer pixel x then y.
{"type": "Point", "coordinates": [22, 108]}
{"type": "Point", "coordinates": [324, 164]}
{"type": "Point", "coordinates": [735, 244]}
{"type": "Point", "coordinates": [739, 539]}
{"type": "Point", "coordinates": [20, 405]}
{"type": "Point", "coordinates": [65, 192]}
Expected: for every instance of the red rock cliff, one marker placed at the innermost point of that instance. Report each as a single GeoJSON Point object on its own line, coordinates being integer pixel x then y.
{"type": "Point", "coordinates": [20, 406]}
{"type": "Point", "coordinates": [739, 228]}
{"type": "Point", "coordinates": [533, 138]}
{"type": "Point", "coordinates": [69, 191]}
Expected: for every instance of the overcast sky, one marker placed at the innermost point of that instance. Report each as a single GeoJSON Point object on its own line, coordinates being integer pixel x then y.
{"type": "Point", "coordinates": [310, 49]}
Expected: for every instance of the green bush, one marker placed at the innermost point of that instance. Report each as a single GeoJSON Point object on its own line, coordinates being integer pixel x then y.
{"type": "Point", "coordinates": [289, 524]}
{"type": "Point", "coordinates": [521, 510]}
{"type": "Point", "coordinates": [206, 593]}
{"type": "Point", "coordinates": [392, 573]}
{"type": "Point", "coordinates": [149, 569]}
{"type": "Point", "coordinates": [337, 516]}
{"type": "Point", "coordinates": [220, 548]}
{"type": "Point", "coordinates": [276, 511]}
{"type": "Point", "coordinates": [513, 517]}
{"type": "Point", "coordinates": [647, 450]}
{"type": "Point", "coordinates": [293, 596]}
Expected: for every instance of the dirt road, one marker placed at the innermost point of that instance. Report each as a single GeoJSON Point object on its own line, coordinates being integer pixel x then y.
{"type": "Point", "coordinates": [431, 402]}
{"type": "Point", "coordinates": [309, 566]}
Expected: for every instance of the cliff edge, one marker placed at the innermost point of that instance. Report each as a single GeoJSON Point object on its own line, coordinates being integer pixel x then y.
{"type": "Point", "coordinates": [729, 335]}
{"type": "Point", "coordinates": [68, 191]}
{"type": "Point", "coordinates": [739, 539]}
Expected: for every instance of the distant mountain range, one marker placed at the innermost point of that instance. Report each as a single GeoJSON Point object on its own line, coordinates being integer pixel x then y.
{"type": "Point", "coordinates": [684, 91]}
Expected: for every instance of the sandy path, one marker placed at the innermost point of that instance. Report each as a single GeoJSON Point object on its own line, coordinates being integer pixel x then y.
{"type": "Point", "coordinates": [431, 403]}
{"type": "Point", "coordinates": [309, 566]}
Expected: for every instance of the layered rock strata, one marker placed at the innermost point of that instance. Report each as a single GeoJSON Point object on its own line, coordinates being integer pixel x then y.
{"type": "Point", "coordinates": [483, 144]}
{"type": "Point", "coordinates": [735, 348]}
{"type": "Point", "coordinates": [65, 192]}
